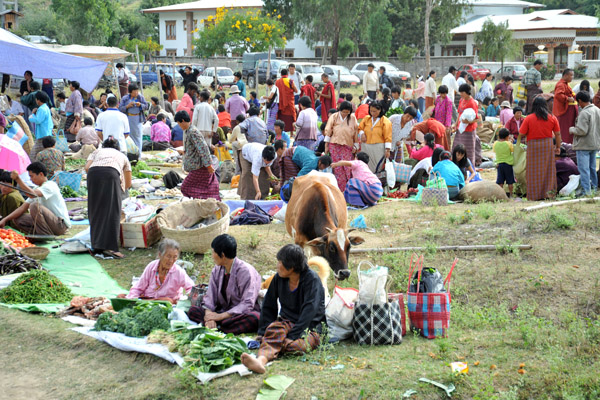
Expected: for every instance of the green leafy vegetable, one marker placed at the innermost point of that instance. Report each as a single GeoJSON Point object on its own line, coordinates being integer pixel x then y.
{"type": "Point", "coordinates": [141, 166]}
{"type": "Point", "coordinates": [137, 321]}
{"type": "Point", "coordinates": [36, 287]}
{"type": "Point", "coordinates": [393, 111]}
{"type": "Point", "coordinates": [213, 351]}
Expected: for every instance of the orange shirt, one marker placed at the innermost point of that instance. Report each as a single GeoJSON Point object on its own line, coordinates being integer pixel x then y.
{"type": "Point", "coordinates": [224, 119]}
{"type": "Point", "coordinates": [286, 96]}
{"type": "Point", "coordinates": [430, 125]}
{"type": "Point", "coordinates": [361, 112]}
{"type": "Point", "coordinates": [562, 91]}
{"type": "Point", "coordinates": [535, 128]}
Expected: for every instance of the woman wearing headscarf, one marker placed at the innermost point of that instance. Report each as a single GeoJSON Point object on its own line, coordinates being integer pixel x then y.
{"type": "Point", "coordinates": [539, 127]}
{"type": "Point", "coordinates": [375, 131]}
{"type": "Point", "coordinates": [167, 86]}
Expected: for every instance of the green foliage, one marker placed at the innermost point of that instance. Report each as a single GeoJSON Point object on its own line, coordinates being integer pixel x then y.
{"type": "Point", "coordinates": [347, 46]}
{"type": "Point", "coordinates": [36, 287]}
{"type": "Point", "coordinates": [137, 321]}
{"type": "Point", "coordinates": [495, 42]}
{"type": "Point", "coordinates": [580, 6]}
{"type": "Point", "coordinates": [87, 22]}
{"type": "Point", "coordinates": [254, 241]}
{"type": "Point", "coordinates": [239, 32]}
{"type": "Point", "coordinates": [551, 220]}
{"type": "Point", "coordinates": [580, 71]}
{"type": "Point", "coordinates": [485, 211]}
{"type": "Point", "coordinates": [213, 351]}
{"type": "Point", "coordinates": [406, 53]}
{"type": "Point", "coordinates": [379, 35]}
{"type": "Point", "coordinates": [146, 47]}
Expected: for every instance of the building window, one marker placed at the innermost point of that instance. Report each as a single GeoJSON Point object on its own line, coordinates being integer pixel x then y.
{"type": "Point", "coordinates": [171, 52]}
{"type": "Point", "coordinates": [195, 24]}
{"type": "Point", "coordinates": [170, 28]}
{"type": "Point", "coordinates": [561, 54]}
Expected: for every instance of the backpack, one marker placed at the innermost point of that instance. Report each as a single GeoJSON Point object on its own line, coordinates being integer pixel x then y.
{"type": "Point", "coordinates": [172, 179]}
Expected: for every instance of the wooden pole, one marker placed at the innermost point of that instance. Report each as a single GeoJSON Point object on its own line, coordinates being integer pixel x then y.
{"type": "Point", "coordinates": [561, 203]}
{"type": "Point", "coordinates": [216, 81]}
{"type": "Point", "coordinates": [141, 84]}
{"type": "Point", "coordinates": [174, 74]}
{"type": "Point", "coordinates": [268, 76]}
{"type": "Point", "coordinates": [116, 78]}
{"type": "Point", "coordinates": [339, 83]}
{"type": "Point", "coordinates": [486, 247]}
{"type": "Point", "coordinates": [161, 99]}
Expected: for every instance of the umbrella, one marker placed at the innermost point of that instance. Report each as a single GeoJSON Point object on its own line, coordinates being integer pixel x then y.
{"type": "Point", "coordinates": [12, 155]}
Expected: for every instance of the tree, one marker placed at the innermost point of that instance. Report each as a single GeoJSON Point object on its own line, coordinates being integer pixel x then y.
{"type": "Point", "coordinates": [379, 37]}
{"type": "Point", "coordinates": [579, 6]}
{"type": "Point", "coordinates": [238, 32]}
{"type": "Point", "coordinates": [283, 8]}
{"type": "Point", "coordinates": [346, 47]}
{"type": "Point", "coordinates": [146, 48]}
{"type": "Point", "coordinates": [151, 20]}
{"type": "Point", "coordinates": [87, 22]}
{"type": "Point", "coordinates": [495, 42]}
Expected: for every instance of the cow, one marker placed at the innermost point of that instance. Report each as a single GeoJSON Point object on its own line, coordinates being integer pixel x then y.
{"type": "Point", "coordinates": [316, 217]}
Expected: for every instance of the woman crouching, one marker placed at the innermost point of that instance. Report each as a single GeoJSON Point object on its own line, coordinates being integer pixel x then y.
{"type": "Point", "coordinates": [302, 299]}
{"type": "Point", "coordinates": [162, 279]}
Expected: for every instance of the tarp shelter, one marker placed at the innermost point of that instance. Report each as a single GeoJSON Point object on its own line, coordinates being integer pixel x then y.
{"type": "Point", "coordinates": [19, 55]}
{"type": "Point", "coordinates": [103, 53]}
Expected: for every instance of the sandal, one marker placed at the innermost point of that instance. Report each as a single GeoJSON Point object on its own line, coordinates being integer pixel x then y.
{"type": "Point", "coordinates": [114, 254]}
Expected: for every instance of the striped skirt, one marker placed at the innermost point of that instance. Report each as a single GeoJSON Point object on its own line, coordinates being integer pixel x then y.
{"type": "Point", "coordinates": [287, 167]}
{"type": "Point", "coordinates": [201, 184]}
{"type": "Point", "coordinates": [376, 152]}
{"type": "Point", "coordinates": [541, 169]}
{"type": "Point", "coordinates": [361, 194]}
{"type": "Point", "coordinates": [566, 121]}
{"type": "Point", "coordinates": [468, 139]}
{"type": "Point", "coordinates": [340, 152]}
{"type": "Point", "coordinates": [272, 116]}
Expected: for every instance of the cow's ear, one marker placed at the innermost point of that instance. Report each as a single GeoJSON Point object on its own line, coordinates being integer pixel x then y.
{"type": "Point", "coordinates": [356, 240]}
{"type": "Point", "coordinates": [320, 241]}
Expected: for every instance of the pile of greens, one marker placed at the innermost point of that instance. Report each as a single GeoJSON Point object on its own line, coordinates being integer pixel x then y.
{"type": "Point", "coordinates": [393, 111]}
{"type": "Point", "coordinates": [204, 349]}
{"type": "Point", "coordinates": [136, 321]}
{"type": "Point", "coordinates": [141, 166]}
{"type": "Point", "coordinates": [36, 287]}
{"type": "Point", "coordinates": [68, 193]}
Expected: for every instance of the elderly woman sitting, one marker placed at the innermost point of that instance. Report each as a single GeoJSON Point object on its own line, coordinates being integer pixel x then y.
{"type": "Point", "coordinates": [302, 299]}
{"type": "Point", "coordinates": [162, 279]}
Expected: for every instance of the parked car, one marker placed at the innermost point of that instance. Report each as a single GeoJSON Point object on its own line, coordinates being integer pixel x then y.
{"type": "Point", "coordinates": [274, 73]}
{"type": "Point", "coordinates": [147, 72]}
{"type": "Point", "coordinates": [514, 71]}
{"type": "Point", "coordinates": [347, 79]}
{"type": "Point", "coordinates": [314, 69]}
{"type": "Point", "coordinates": [478, 72]}
{"type": "Point", "coordinates": [224, 76]}
{"type": "Point", "coordinates": [250, 62]}
{"type": "Point", "coordinates": [397, 76]}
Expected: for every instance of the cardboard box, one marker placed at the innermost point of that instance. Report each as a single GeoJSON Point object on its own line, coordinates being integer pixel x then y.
{"type": "Point", "coordinates": [140, 235]}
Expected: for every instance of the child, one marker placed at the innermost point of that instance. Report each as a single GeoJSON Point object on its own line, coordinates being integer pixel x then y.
{"type": "Point", "coordinates": [408, 93]}
{"type": "Point", "coordinates": [87, 134]}
{"type": "Point", "coordinates": [254, 99]}
{"type": "Point", "coordinates": [493, 109]}
{"type": "Point", "coordinates": [62, 103]}
{"type": "Point", "coordinates": [415, 105]}
{"type": "Point", "coordinates": [442, 111]}
{"type": "Point", "coordinates": [308, 90]}
{"type": "Point", "coordinates": [364, 188]}
{"type": "Point", "coordinates": [386, 100]}
{"type": "Point", "coordinates": [523, 105]}
{"type": "Point", "coordinates": [504, 160]}
{"type": "Point", "coordinates": [280, 134]}
{"type": "Point", "coordinates": [341, 98]}
{"type": "Point", "coordinates": [224, 119]}
{"type": "Point", "coordinates": [349, 98]}
{"type": "Point", "coordinates": [397, 101]}
{"type": "Point", "coordinates": [459, 157]}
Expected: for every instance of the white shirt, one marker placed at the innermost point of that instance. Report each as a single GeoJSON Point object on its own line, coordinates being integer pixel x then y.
{"type": "Point", "coordinates": [16, 108]}
{"type": "Point", "coordinates": [297, 79]}
{"type": "Point", "coordinates": [205, 117]}
{"type": "Point", "coordinates": [252, 152]}
{"type": "Point", "coordinates": [53, 201]}
{"type": "Point", "coordinates": [575, 90]}
{"type": "Point", "coordinates": [430, 88]}
{"type": "Point", "coordinates": [113, 122]}
{"type": "Point", "coordinates": [370, 82]}
{"type": "Point", "coordinates": [450, 82]}
{"type": "Point", "coordinates": [460, 81]}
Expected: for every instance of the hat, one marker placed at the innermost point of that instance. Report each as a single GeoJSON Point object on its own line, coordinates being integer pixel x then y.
{"type": "Point", "coordinates": [505, 104]}
{"type": "Point", "coordinates": [234, 89]}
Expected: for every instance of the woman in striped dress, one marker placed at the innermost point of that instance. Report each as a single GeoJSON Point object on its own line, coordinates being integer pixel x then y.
{"type": "Point", "coordinates": [539, 127]}
{"type": "Point", "coordinates": [364, 188]}
{"type": "Point", "coordinates": [341, 141]}
{"type": "Point", "coordinates": [468, 137]}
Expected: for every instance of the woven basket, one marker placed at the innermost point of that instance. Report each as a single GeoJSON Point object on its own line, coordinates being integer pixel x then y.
{"type": "Point", "coordinates": [37, 253]}
{"type": "Point", "coordinates": [188, 213]}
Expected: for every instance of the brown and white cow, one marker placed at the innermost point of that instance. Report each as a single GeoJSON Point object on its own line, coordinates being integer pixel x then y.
{"type": "Point", "coordinates": [316, 216]}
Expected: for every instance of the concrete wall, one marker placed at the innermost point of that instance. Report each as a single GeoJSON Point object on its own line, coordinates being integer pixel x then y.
{"type": "Point", "coordinates": [593, 68]}
{"type": "Point", "coordinates": [417, 66]}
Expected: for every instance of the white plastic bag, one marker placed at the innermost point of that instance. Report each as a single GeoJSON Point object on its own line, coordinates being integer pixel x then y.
{"type": "Point", "coordinates": [571, 186]}
{"type": "Point", "coordinates": [371, 284]}
{"type": "Point", "coordinates": [390, 174]}
{"type": "Point", "coordinates": [340, 312]}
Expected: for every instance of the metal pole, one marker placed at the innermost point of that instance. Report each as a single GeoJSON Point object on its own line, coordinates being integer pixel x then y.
{"type": "Point", "coordinates": [137, 54]}
{"type": "Point", "coordinates": [339, 82]}
{"type": "Point", "coordinates": [216, 81]}
{"type": "Point", "coordinates": [116, 78]}
{"type": "Point", "coordinates": [175, 72]}
{"type": "Point", "coordinates": [161, 98]}
{"type": "Point", "coordinates": [268, 76]}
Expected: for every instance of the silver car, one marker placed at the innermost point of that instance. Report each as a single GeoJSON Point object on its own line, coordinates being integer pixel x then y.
{"type": "Point", "coordinates": [347, 79]}
{"type": "Point", "coordinates": [397, 76]}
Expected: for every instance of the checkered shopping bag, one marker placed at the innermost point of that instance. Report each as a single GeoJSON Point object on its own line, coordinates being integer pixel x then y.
{"type": "Point", "coordinates": [402, 170]}
{"type": "Point", "coordinates": [429, 313]}
{"type": "Point", "coordinates": [399, 297]}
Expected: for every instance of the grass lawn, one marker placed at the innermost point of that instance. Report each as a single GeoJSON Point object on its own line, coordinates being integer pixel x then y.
{"type": "Point", "coordinates": [536, 307]}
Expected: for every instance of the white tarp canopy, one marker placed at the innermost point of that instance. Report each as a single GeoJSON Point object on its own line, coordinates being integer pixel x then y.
{"type": "Point", "coordinates": [19, 55]}
{"type": "Point", "coordinates": [103, 53]}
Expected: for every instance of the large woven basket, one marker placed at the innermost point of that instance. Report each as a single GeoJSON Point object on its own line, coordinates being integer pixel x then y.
{"type": "Point", "coordinates": [188, 213]}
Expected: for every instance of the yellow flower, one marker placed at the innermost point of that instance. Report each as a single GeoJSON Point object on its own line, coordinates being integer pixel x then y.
{"type": "Point", "coordinates": [284, 39]}
{"type": "Point", "coordinates": [250, 26]}
{"type": "Point", "coordinates": [244, 22]}
{"type": "Point", "coordinates": [233, 26]}
{"type": "Point", "coordinates": [247, 39]}
{"type": "Point", "coordinates": [268, 15]}
{"type": "Point", "coordinates": [274, 10]}
{"type": "Point", "coordinates": [279, 16]}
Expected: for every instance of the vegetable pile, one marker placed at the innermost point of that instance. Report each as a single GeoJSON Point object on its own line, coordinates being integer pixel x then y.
{"type": "Point", "coordinates": [141, 166]}
{"type": "Point", "coordinates": [402, 195]}
{"type": "Point", "coordinates": [204, 349]}
{"type": "Point", "coordinates": [137, 321]}
{"type": "Point", "coordinates": [36, 287]}
{"type": "Point", "coordinates": [87, 307]}
{"type": "Point", "coordinates": [13, 239]}
{"type": "Point", "coordinates": [393, 111]}
{"type": "Point", "coordinates": [17, 263]}
{"type": "Point", "coordinates": [68, 193]}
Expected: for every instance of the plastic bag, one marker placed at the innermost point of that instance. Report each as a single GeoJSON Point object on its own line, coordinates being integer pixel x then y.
{"type": "Point", "coordinates": [570, 186]}
{"type": "Point", "coordinates": [520, 164]}
{"type": "Point", "coordinates": [340, 312]}
{"type": "Point", "coordinates": [390, 174]}
{"type": "Point", "coordinates": [431, 281]}
{"type": "Point", "coordinates": [371, 284]}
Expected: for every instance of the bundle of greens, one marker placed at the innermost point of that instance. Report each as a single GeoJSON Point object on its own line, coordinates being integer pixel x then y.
{"type": "Point", "coordinates": [393, 111]}
{"type": "Point", "coordinates": [136, 321]}
{"type": "Point", "coordinates": [36, 287]}
{"type": "Point", "coordinates": [141, 166]}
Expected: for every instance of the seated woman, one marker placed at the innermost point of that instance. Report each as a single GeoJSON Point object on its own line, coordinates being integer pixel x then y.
{"type": "Point", "coordinates": [162, 279]}
{"type": "Point", "coordinates": [230, 304]}
{"type": "Point", "coordinates": [459, 157]}
{"type": "Point", "coordinates": [301, 296]}
{"type": "Point", "coordinates": [364, 188]}
{"type": "Point", "coordinates": [451, 173]}
{"type": "Point", "coordinates": [425, 151]}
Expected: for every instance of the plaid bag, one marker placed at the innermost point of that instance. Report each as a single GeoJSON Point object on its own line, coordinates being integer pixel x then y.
{"type": "Point", "coordinates": [429, 313]}
{"type": "Point", "coordinates": [436, 192]}
{"type": "Point", "coordinates": [377, 323]}
{"type": "Point", "coordinates": [61, 141]}
{"type": "Point", "coordinates": [399, 297]}
{"type": "Point", "coordinates": [70, 179]}
{"type": "Point", "coordinates": [402, 170]}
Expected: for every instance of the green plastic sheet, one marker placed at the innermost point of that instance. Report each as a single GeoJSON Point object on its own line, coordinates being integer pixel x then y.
{"type": "Point", "coordinates": [81, 272]}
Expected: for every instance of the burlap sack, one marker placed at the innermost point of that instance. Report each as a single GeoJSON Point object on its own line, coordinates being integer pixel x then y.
{"type": "Point", "coordinates": [485, 132]}
{"type": "Point", "coordinates": [28, 145]}
{"type": "Point", "coordinates": [482, 191]}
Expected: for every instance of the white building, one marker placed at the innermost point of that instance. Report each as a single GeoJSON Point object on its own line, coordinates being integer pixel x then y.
{"type": "Point", "coordinates": [173, 26]}
{"type": "Point", "coordinates": [558, 31]}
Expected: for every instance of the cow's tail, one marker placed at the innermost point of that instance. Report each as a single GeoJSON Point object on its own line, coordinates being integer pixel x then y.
{"type": "Point", "coordinates": [322, 267]}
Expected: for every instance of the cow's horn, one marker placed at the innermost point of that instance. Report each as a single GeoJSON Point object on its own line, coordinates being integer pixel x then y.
{"type": "Point", "coordinates": [329, 230]}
